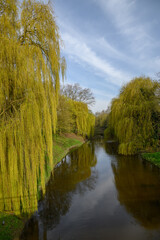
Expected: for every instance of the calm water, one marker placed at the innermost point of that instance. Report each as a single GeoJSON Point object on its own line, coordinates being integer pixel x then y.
{"type": "Point", "coordinates": [96, 194]}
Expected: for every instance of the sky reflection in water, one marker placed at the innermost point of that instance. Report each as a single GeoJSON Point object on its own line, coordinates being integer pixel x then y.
{"type": "Point", "coordinates": [96, 194]}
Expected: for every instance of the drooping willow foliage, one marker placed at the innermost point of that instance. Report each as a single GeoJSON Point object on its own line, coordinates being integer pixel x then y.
{"type": "Point", "coordinates": [29, 85]}
{"type": "Point", "coordinates": [84, 119]}
{"type": "Point", "coordinates": [134, 116]}
{"type": "Point", "coordinates": [74, 116]}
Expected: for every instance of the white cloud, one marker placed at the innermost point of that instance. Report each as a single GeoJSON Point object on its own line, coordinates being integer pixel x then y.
{"type": "Point", "coordinates": [102, 93]}
{"type": "Point", "coordinates": [112, 62]}
{"type": "Point", "coordinates": [100, 105]}
{"type": "Point", "coordinates": [103, 100]}
{"type": "Point", "coordinates": [81, 51]}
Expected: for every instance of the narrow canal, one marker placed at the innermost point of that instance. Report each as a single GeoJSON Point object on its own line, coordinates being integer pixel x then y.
{"type": "Point", "coordinates": [94, 193]}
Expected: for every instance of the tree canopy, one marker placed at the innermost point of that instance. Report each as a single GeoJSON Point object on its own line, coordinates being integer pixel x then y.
{"type": "Point", "coordinates": [134, 116]}
{"type": "Point", "coordinates": [29, 85]}
{"type": "Point", "coordinates": [74, 116]}
{"type": "Point", "coordinates": [73, 112]}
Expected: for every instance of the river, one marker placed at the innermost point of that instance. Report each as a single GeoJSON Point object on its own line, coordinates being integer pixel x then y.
{"type": "Point", "coordinates": [94, 193]}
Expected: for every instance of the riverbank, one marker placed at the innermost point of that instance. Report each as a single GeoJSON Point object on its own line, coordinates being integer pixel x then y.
{"type": "Point", "coordinates": [63, 144]}
{"type": "Point", "coordinates": [12, 225]}
{"type": "Point", "coordinates": [154, 158]}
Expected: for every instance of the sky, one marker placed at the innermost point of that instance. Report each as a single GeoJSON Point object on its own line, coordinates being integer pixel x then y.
{"type": "Point", "coordinates": [107, 43]}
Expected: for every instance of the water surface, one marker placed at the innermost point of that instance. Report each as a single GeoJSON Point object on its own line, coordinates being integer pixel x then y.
{"type": "Point", "coordinates": [96, 194]}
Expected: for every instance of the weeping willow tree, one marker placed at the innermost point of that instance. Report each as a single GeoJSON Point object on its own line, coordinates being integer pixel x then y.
{"type": "Point", "coordinates": [83, 119]}
{"type": "Point", "coordinates": [73, 112]}
{"type": "Point", "coordinates": [65, 121]}
{"type": "Point", "coordinates": [134, 116]}
{"type": "Point", "coordinates": [75, 117]}
{"type": "Point", "coordinates": [29, 84]}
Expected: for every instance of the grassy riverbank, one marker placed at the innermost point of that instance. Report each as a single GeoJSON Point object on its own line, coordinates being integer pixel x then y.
{"type": "Point", "coordinates": [152, 157]}
{"type": "Point", "coordinates": [11, 225]}
{"type": "Point", "coordinates": [62, 145]}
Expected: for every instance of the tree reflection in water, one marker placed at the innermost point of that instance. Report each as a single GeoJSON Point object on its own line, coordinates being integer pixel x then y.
{"type": "Point", "coordinates": [138, 188]}
{"type": "Point", "coordinates": [72, 175]}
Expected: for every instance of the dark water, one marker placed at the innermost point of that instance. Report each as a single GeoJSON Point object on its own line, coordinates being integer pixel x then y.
{"type": "Point", "coordinates": [96, 194]}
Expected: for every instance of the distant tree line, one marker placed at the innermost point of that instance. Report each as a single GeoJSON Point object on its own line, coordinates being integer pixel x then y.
{"type": "Point", "coordinates": [101, 123]}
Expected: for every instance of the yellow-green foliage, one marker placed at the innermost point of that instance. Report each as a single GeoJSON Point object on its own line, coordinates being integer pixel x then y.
{"type": "Point", "coordinates": [29, 85]}
{"type": "Point", "coordinates": [74, 116]}
{"type": "Point", "coordinates": [109, 133]}
{"type": "Point", "coordinates": [101, 123]}
{"type": "Point", "coordinates": [65, 121]}
{"type": "Point", "coordinates": [132, 116]}
{"type": "Point", "coordinates": [84, 120]}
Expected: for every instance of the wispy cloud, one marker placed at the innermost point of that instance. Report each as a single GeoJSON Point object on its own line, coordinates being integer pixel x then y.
{"type": "Point", "coordinates": [102, 93]}
{"type": "Point", "coordinates": [81, 51]}
{"type": "Point", "coordinates": [109, 49]}
{"type": "Point", "coordinates": [100, 105]}
{"type": "Point", "coordinates": [124, 15]}
{"type": "Point", "coordinates": [103, 99]}
{"type": "Point", "coordinates": [118, 45]}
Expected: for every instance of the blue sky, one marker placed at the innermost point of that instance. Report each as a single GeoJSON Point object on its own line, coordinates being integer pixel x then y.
{"type": "Point", "coordinates": [108, 42]}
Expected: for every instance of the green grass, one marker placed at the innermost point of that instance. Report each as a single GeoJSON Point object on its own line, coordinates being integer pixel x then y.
{"type": "Point", "coordinates": [152, 157]}
{"type": "Point", "coordinates": [61, 146]}
{"type": "Point", "coordinates": [11, 227]}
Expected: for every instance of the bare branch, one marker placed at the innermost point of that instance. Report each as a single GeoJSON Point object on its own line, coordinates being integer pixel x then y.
{"type": "Point", "coordinates": [79, 94]}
